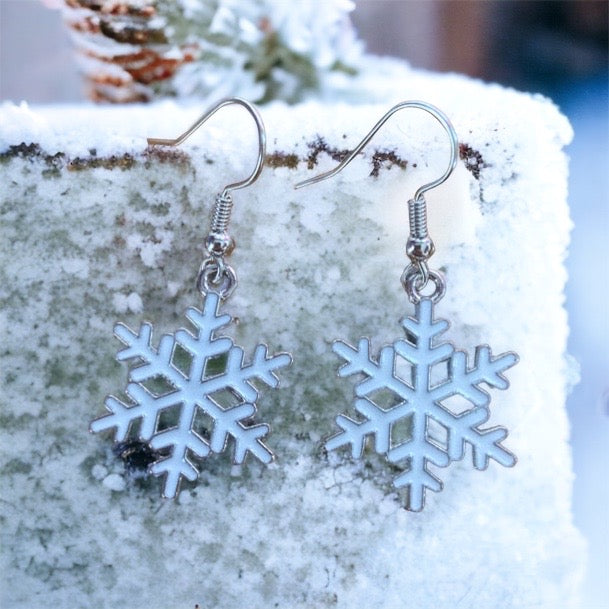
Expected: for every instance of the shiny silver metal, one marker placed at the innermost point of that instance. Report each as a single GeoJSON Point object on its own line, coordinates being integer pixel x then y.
{"type": "Point", "coordinates": [215, 275]}
{"type": "Point", "coordinates": [218, 241]}
{"type": "Point", "coordinates": [414, 281]}
{"type": "Point", "coordinates": [419, 246]}
{"type": "Point", "coordinates": [421, 105]}
{"type": "Point", "coordinates": [153, 141]}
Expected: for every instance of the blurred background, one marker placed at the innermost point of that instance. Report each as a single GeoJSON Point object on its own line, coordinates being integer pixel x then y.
{"type": "Point", "coordinates": [557, 48]}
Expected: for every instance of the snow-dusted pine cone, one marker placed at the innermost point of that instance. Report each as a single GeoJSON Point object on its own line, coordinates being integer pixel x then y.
{"type": "Point", "coordinates": [123, 48]}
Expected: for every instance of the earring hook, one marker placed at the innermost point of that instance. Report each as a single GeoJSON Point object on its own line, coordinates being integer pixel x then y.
{"type": "Point", "coordinates": [215, 275]}
{"type": "Point", "coordinates": [153, 141]}
{"type": "Point", "coordinates": [419, 246]}
{"type": "Point", "coordinates": [421, 105]}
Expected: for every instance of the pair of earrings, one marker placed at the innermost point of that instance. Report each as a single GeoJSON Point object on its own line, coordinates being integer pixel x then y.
{"type": "Point", "coordinates": [196, 367]}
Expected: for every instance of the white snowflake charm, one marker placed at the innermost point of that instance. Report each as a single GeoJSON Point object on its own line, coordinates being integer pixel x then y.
{"type": "Point", "coordinates": [192, 391]}
{"type": "Point", "coordinates": [420, 396]}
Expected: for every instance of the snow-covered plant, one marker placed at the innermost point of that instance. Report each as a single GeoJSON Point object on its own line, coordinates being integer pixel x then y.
{"type": "Point", "coordinates": [133, 50]}
{"type": "Point", "coordinates": [261, 49]}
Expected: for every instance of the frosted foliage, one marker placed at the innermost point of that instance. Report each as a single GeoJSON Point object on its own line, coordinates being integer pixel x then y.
{"type": "Point", "coordinates": [264, 49]}
{"type": "Point", "coordinates": [421, 401]}
{"type": "Point", "coordinates": [191, 392]}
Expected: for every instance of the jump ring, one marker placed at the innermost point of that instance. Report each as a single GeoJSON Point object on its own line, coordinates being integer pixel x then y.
{"type": "Point", "coordinates": [413, 284]}
{"type": "Point", "coordinates": [216, 277]}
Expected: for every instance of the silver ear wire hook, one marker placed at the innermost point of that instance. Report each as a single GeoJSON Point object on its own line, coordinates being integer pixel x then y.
{"type": "Point", "coordinates": [215, 275]}
{"type": "Point", "coordinates": [421, 105]}
{"type": "Point", "coordinates": [153, 141]}
{"type": "Point", "coordinates": [419, 247]}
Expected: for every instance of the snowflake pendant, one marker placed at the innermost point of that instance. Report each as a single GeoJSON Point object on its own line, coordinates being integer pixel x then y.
{"type": "Point", "coordinates": [214, 368]}
{"type": "Point", "coordinates": [421, 402]}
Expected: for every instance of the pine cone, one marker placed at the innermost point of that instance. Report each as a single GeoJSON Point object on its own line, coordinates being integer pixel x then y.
{"type": "Point", "coordinates": [123, 48]}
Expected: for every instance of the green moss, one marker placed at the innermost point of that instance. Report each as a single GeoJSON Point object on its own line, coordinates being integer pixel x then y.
{"type": "Point", "coordinates": [160, 209]}
{"type": "Point", "coordinates": [16, 466]}
{"type": "Point", "coordinates": [60, 371]}
{"type": "Point", "coordinates": [282, 159]}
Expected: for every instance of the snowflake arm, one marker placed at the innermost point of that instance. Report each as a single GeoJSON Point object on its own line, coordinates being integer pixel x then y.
{"type": "Point", "coordinates": [380, 375]}
{"type": "Point", "coordinates": [358, 360]}
{"type": "Point", "coordinates": [203, 346]}
{"type": "Point", "coordinates": [229, 422]}
{"type": "Point", "coordinates": [419, 451]}
{"type": "Point", "coordinates": [488, 447]}
{"type": "Point", "coordinates": [146, 408]}
{"type": "Point", "coordinates": [136, 344]}
{"type": "Point", "coordinates": [121, 415]}
{"type": "Point", "coordinates": [180, 439]}
{"type": "Point", "coordinates": [154, 363]}
{"type": "Point", "coordinates": [418, 479]}
{"type": "Point", "coordinates": [239, 377]}
{"type": "Point", "coordinates": [420, 348]}
{"type": "Point", "coordinates": [465, 382]}
{"type": "Point", "coordinates": [464, 428]}
{"type": "Point", "coordinates": [377, 424]}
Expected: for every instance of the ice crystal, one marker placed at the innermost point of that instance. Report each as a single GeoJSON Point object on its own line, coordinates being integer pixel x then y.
{"type": "Point", "coordinates": [215, 367]}
{"type": "Point", "coordinates": [422, 402]}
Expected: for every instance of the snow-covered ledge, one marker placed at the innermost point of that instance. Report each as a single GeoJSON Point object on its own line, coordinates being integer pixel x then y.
{"type": "Point", "coordinates": [97, 228]}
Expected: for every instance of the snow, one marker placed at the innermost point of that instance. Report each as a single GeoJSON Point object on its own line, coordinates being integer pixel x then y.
{"type": "Point", "coordinates": [115, 482]}
{"type": "Point", "coordinates": [130, 302]}
{"type": "Point", "coordinates": [311, 529]}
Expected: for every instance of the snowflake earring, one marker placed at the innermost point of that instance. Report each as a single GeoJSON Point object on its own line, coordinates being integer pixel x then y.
{"type": "Point", "coordinates": [197, 367]}
{"type": "Point", "coordinates": [420, 399]}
